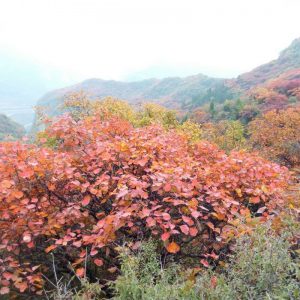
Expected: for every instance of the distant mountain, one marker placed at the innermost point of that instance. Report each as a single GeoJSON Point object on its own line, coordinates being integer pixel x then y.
{"type": "Point", "coordinates": [172, 92]}
{"type": "Point", "coordinates": [185, 93]}
{"type": "Point", "coordinates": [22, 82]}
{"type": "Point", "coordinates": [288, 59]}
{"type": "Point", "coordinates": [10, 129]}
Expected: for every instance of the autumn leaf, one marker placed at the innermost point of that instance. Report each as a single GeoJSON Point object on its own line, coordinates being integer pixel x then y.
{"type": "Point", "coordinates": [50, 248]}
{"type": "Point", "coordinates": [165, 236]}
{"type": "Point", "coordinates": [4, 290]}
{"type": "Point", "coordinates": [93, 252]}
{"type": "Point", "coordinates": [254, 200]}
{"type": "Point", "coordinates": [6, 183]}
{"type": "Point", "coordinates": [86, 200]}
{"type": "Point", "coordinates": [21, 286]}
{"type": "Point", "coordinates": [173, 248]}
{"type": "Point", "coordinates": [188, 220]}
{"type": "Point", "coordinates": [185, 229]}
{"type": "Point", "coordinates": [18, 194]}
{"type": "Point", "coordinates": [167, 187]}
{"type": "Point", "coordinates": [166, 216]}
{"type": "Point", "coordinates": [80, 272]}
{"type": "Point", "coordinates": [213, 281]}
{"type": "Point", "coordinates": [204, 262]}
{"type": "Point", "coordinates": [239, 192]}
{"type": "Point", "coordinates": [150, 222]}
{"type": "Point", "coordinates": [193, 231]}
{"type": "Point", "coordinates": [98, 262]}
{"type": "Point", "coordinates": [112, 269]}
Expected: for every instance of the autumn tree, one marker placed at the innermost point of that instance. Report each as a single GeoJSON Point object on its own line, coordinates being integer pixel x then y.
{"type": "Point", "coordinates": [228, 135]}
{"type": "Point", "coordinates": [278, 93]}
{"type": "Point", "coordinates": [276, 135]}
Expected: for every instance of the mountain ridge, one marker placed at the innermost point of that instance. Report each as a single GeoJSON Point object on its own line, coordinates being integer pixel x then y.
{"type": "Point", "coordinates": [180, 92]}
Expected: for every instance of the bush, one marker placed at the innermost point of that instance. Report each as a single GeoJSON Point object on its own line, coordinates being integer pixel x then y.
{"type": "Point", "coordinates": [228, 135]}
{"type": "Point", "coordinates": [104, 183]}
{"type": "Point", "coordinates": [261, 268]}
{"type": "Point", "coordinates": [276, 135]}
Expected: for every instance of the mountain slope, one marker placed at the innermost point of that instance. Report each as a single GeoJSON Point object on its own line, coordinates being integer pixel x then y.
{"type": "Point", "coordinates": [288, 59]}
{"type": "Point", "coordinates": [173, 92]}
{"type": "Point", "coordinates": [10, 129]}
{"type": "Point", "coordinates": [185, 93]}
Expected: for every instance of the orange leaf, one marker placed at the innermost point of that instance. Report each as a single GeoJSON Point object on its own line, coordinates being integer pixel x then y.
{"type": "Point", "coordinates": [173, 247]}
{"type": "Point", "coordinates": [18, 194]}
{"type": "Point", "coordinates": [22, 286]}
{"type": "Point", "coordinates": [112, 269]}
{"type": "Point", "coordinates": [80, 272]}
{"type": "Point", "coordinates": [48, 249]}
{"type": "Point", "coordinates": [86, 200]}
{"type": "Point", "coordinates": [210, 225]}
{"type": "Point", "coordinates": [193, 231]}
{"type": "Point", "coordinates": [6, 184]}
{"type": "Point", "coordinates": [254, 200]}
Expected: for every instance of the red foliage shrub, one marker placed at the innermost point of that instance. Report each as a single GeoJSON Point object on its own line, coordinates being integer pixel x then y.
{"type": "Point", "coordinates": [104, 182]}
{"type": "Point", "coordinates": [275, 93]}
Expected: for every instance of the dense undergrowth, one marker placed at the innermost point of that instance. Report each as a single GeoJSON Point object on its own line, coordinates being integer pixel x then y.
{"type": "Point", "coordinates": [264, 265]}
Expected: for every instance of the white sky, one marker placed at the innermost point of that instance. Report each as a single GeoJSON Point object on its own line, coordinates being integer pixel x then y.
{"type": "Point", "coordinates": [110, 39]}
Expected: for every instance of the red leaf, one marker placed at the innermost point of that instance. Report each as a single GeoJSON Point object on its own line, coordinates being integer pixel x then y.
{"type": "Point", "coordinates": [204, 263]}
{"type": "Point", "coordinates": [93, 252]}
{"type": "Point", "coordinates": [193, 231]}
{"type": "Point", "coordinates": [86, 200]}
{"type": "Point", "coordinates": [7, 275]}
{"type": "Point", "coordinates": [213, 281]}
{"type": "Point", "coordinates": [167, 187]}
{"type": "Point", "coordinates": [80, 272]}
{"type": "Point", "coordinates": [165, 236]}
{"type": "Point", "coordinates": [188, 220]}
{"type": "Point", "coordinates": [18, 194]}
{"type": "Point", "coordinates": [254, 200]}
{"type": "Point", "coordinates": [185, 229]}
{"type": "Point", "coordinates": [166, 216]}
{"type": "Point", "coordinates": [98, 262]}
{"type": "Point", "coordinates": [150, 222]}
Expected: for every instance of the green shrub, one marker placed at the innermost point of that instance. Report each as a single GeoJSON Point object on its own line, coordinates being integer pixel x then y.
{"type": "Point", "coordinates": [261, 268]}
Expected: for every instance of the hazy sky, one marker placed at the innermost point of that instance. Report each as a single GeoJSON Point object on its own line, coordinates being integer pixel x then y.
{"type": "Point", "coordinates": [110, 39]}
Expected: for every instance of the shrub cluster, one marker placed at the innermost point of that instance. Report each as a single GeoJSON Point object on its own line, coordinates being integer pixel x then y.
{"type": "Point", "coordinates": [102, 183]}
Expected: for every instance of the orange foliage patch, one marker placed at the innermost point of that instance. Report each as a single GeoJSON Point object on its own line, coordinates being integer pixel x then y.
{"type": "Point", "coordinates": [104, 182]}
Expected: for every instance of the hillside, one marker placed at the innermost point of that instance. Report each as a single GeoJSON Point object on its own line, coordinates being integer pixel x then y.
{"type": "Point", "coordinates": [173, 92]}
{"type": "Point", "coordinates": [185, 93]}
{"type": "Point", "coordinates": [10, 129]}
{"type": "Point", "coordinates": [288, 59]}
